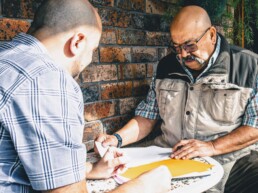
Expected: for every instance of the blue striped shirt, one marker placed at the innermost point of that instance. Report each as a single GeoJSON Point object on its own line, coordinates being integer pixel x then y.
{"type": "Point", "coordinates": [41, 120]}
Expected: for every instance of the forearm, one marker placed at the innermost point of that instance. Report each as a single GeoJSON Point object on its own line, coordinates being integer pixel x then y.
{"type": "Point", "coordinates": [237, 139]}
{"type": "Point", "coordinates": [94, 172]}
{"type": "Point", "coordinates": [157, 180]}
{"type": "Point", "coordinates": [132, 186]}
{"type": "Point", "coordinates": [136, 129]}
{"type": "Point", "coordinates": [79, 187]}
{"type": "Point", "coordinates": [89, 170]}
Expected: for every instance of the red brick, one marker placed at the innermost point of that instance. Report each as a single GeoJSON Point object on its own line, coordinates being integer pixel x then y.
{"type": "Point", "coordinates": [96, 73]}
{"type": "Point", "coordinates": [102, 3]}
{"type": "Point", "coordinates": [10, 27]}
{"type": "Point", "coordinates": [114, 18]}
{"type": "Point", "coordinates": [162, 52]}
{"type": "Point", "coordinates": [137, 21]}
{"type": "Point", "coordinates": [115, 54]}
{"type": "Point", "coordinates": [95, 57]}
{"type": "Point", "coordinates": [91, 131]}
{"type": "Point", "coordinates": [151, 69]}
{"type": "Point", "coordinates": [122, 19]}
{"type": "Point", "coordinates": [90, 92]}
{"type": "Point", "coordinates": [158, 7]}
{"type": "Point", "coordinates": [20, 9]}
{"type": "Point", "coordinates": [108, 36]}
{"type": "Point", "coordinates": [113, 124]}
{"type": "Point", "coordinates": [128, 105]}
{"type": "Point", "coordinates": [131, 37]}
{"type": "Point", "coordinates": [141, 54]}
{"type": "Point", "coordinates": [99, 110]}
{"type": "Point", "coordinates": [141, 87]}
{"type": "Point", "coordinates": [131, 71]}
{"type": "Point", "coordinates": [116, 90]}
{"type": "Point", "coordinates": [29, 7]}
{"type": "Point", "coordinates": [135, 5]}
{"type": "Point", "coordinates": [158, 38]}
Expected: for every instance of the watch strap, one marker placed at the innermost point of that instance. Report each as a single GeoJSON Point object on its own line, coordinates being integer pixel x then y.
{"type": "Point", "coordinates": [119, 139]}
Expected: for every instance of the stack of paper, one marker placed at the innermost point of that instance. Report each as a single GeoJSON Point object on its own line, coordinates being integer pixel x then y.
{"type": "Point", "coordinates": [142, 159]}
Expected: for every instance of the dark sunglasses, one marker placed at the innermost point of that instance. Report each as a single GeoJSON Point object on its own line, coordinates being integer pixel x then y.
{"type": "Point", "coordinates": [189, 46]}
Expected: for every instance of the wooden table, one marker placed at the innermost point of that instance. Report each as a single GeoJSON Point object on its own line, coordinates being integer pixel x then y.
{"type": "Point", "coordinates": [180, 185]}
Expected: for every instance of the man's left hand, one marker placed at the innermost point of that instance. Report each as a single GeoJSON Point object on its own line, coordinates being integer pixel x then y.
{"type": "Point", "coordinates": [187, 149]}
{"type": "Point", "coordinates": [112, 163]}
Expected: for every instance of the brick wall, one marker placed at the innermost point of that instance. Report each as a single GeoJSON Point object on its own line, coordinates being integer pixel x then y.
{"type": "Point", "coordinates": [135, 36]}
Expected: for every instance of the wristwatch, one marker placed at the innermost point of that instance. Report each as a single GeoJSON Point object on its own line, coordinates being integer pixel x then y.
{"type": "Point", "coordinates": [119, 139]}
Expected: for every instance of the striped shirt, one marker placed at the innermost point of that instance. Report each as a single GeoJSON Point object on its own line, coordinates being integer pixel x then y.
{"type": "Point", "coordinates": [41, 120]}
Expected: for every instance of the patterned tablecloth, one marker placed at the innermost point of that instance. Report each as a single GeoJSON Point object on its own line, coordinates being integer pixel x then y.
{"type": "Point", "coordinates": [101, 186]}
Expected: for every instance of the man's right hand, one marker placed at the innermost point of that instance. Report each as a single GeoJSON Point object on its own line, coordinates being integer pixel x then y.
{"type": "Point", "coordinates": [106, 140]}
{"type": "Point", "coordinates": [157, 180]}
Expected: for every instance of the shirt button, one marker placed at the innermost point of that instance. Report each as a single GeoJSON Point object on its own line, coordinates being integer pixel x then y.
{"type": "Point", "coordinates": [188, 113]}
{"type": "Point", "coordinates": [191, 88]}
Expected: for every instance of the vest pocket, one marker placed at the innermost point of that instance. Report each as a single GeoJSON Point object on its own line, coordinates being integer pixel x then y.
{"type": "Point", "coordinates": [225, 105]}
{"type": "Point", "coordinates": [166, 100]}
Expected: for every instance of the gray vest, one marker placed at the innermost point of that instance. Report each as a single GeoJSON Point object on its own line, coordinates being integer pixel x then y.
{"type": "Point", "coordinates": [211, 107]}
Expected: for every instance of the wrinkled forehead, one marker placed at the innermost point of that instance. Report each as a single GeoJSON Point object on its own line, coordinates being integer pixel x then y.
{"type": "Point", "coordinates": [186, 31]}
{"type": "Point", "coordinates": [179, 36]}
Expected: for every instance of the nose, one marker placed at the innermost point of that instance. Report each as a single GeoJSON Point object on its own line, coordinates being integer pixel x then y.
{"type": "Point", "coordinates": [183, 53]}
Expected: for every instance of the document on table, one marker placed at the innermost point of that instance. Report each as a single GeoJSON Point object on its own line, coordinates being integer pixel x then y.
{"type": "Point", "coordinates": [142, 159]}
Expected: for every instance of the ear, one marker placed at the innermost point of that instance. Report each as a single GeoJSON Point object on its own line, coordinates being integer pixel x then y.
{"type": "Point", "coordinates": [213, 35]}
{"type": "Point", "coordinates": [78, 43]}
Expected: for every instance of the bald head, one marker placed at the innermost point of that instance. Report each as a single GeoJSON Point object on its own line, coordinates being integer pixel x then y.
{"type": "Point", "coordinates": [63, 15]}
{"type": "Point", "coordinates": [191, 18]}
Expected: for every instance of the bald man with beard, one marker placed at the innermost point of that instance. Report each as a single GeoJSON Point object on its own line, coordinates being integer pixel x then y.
{"type": "Point", "coordinates": [204, 93]}
{"type": "Point", "coordinates": [41, 107]}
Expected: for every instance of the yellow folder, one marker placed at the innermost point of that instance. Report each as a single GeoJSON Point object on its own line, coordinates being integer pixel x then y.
{"type": "Point", "coordinates": [176, 167]}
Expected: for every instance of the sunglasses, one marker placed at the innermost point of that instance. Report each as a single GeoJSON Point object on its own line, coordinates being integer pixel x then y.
{"type": "Point", "coordinates": [189, 46]}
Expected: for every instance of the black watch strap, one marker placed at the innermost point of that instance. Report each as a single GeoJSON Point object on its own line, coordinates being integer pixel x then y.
{"type": "Point", "coordinates": [119, 139]}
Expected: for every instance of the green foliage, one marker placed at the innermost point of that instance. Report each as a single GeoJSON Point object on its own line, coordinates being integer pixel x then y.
{"type": "Point", "coordinates": [220, 14]}
{"type": "Point", "coordinates": [215, 8]}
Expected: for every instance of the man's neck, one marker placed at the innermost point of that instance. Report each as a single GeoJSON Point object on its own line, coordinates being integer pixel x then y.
{"type": "Point", "coordinates": [196, 73]}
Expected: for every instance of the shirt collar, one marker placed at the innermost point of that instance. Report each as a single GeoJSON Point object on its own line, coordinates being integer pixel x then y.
{"type": "Point", "coordinates": [29, 40]}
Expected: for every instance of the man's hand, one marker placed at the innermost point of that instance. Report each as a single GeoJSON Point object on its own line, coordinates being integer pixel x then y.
{"type": "Point", "coordinates": [187, 149]}
{"type": "Point", "coordinates": [107, 140]}
{"type": "Point", "coordinates": [157, 180]}
{"type": "Point", "coordinates": [111, 164]}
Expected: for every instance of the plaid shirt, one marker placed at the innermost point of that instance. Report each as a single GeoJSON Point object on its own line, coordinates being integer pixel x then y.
{"type": "Point", "coordinates": [148, 108]}
{"type": "Point", "coordinates": [41, 120]}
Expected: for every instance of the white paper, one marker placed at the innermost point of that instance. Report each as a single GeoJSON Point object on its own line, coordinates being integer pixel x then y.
{"type": "Point", "coordinates": [102, 150]}
{"type": "Point", "coordinates": [143, 155]}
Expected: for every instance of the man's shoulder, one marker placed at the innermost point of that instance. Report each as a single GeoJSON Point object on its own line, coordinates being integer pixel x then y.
{"type": "Point", "coordinates": [243, 51]}
{"type": "Point", "coordinates": [169, 64]}
{"type": "Point", "coordinates": [168, 58]}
